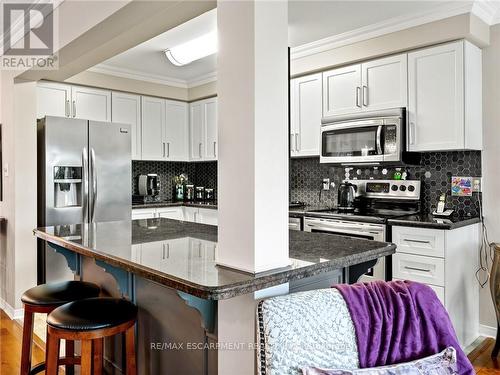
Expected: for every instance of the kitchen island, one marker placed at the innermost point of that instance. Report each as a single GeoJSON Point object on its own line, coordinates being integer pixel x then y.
{"type": "Point", "coordinates": [168, 269]}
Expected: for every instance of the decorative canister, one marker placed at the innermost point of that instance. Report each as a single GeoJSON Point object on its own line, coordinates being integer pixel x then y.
{"type": "Point", "coordinates": [179, 192]}
{"type": "Point", "coordinates": [189, 193]}
{"type": "Point", "coordinates": [209, 194]}
{"type": "Point", "coordinates": [200, 193]}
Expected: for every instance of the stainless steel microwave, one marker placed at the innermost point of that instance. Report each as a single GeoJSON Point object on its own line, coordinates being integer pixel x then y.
{"type": "Point", "coordinates": [367, 138]}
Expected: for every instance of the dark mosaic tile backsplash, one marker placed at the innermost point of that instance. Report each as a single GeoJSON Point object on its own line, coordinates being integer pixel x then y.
{"type": "Point", "coordinates": [435, 171]}
{"type": "Point", "coordinates": [199, 174]}
{"type": "Point", "coordinates": [306, 176]}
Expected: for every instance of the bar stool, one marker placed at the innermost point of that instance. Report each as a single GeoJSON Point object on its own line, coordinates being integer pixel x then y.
{"type": "Point", "coordinates": [91, 320]}
{"type": "Point", "coordinates": [44, 299]}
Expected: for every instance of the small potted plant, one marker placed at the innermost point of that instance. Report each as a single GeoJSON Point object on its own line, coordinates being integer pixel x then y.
{"type": "Point", "coordinates": [179, 182]}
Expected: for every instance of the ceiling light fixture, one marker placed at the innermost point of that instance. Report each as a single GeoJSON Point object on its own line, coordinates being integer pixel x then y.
{"type": "Point", "coordinates": [195, 49]}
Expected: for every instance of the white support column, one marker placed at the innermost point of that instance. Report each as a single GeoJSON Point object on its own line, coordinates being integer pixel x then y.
{"type": "Point", "coordinates": [252, 92]}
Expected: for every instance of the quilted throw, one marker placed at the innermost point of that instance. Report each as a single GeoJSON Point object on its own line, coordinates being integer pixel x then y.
{"type": "Point", "coordinates": [304, 329]}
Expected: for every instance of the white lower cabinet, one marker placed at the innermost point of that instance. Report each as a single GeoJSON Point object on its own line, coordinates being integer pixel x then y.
{"type": "Point", "coordinates": [143, 213]}
{"type": "Point", "coordinates": [446, 261]}
{"type": "Point", "coordinates": [192, 214]}
{"type": "Point", "coordinates": [175, 213]}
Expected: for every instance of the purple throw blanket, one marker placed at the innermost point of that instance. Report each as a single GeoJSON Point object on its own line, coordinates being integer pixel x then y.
{"type": "Point", "coordinates": [399, 321]}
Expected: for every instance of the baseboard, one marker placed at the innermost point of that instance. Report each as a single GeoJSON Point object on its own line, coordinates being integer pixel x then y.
{"type": "Point", "coordinates": [487, 331]}
{"type": "Point", "coordinates": [11, 312]}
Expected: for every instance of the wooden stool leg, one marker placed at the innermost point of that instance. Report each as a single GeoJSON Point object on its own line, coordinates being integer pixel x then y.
{"type": "Point", "coordinates": [86, 368]}
{"type": "Point", "coordinates": [496, 349]}
{"type": "Point", "coordinates": [52, 354]}
{"type": "Point", "coordinates": [70, 353]}
{"type": "Point", "coordinates": [27, 340]}
{"type": "Point", "coordinates": [130, 351]}
{"type": "Point", "coordinates": [98, 355]}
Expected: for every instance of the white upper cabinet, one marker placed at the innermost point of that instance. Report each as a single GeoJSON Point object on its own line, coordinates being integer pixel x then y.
{"type": "Point", "coordinates": [374, 85]}
{"type": "Point", "coordinates": [90, 103]}
{"type": "Point", "coordinates": [176, 131]}
{"type": "Point", "coordinates": [53, 99]}
{"type": "Point", "coordinates": [305, 115]}
{"type": "Point", "coordinates": [342, 91]}
{"type": "Point", "coordinates": [126, 109]}
{"type": "Point", "coordinates": [196, 131]}
{"type": "Point", "coordinates": [384, 83]}
{"type": "Point", "coordinates": [59, 99]}
{"type": "Point", "coordinates": [153, 129]}
{"type": "Point", "coordinates": [203, 130]}
{"type": "Point", "coordinates": [210, 128]}
{"type": "Point", "coordinates": [444, 110]}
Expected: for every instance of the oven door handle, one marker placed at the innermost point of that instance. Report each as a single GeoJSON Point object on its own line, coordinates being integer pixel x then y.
{"type": "Point", "coordinates": [379, 140]}
{"type": "Point", "coordinates": [345, 230]}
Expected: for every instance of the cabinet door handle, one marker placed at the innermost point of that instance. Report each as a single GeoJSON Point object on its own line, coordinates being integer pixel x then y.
{"type": "Point", "coordinates": [163, 144]}
{"type": "Point", "coordinates": [215, 149]}
{"type": "Point", "coordinates": [416, 269]}
{"type": "Point", "coordinates": [412, 133]}
{"type": "Point", "coordinates": [297, 146]}
{"type": "Point", "coordinates": [358, 92]}
{"type": "Point", "coordinates": [199, 149]}
{"type": "Point", "coordinates": [74, 108]}
{"type": "Point", "coordinates": [168, 149]}
{"type": "Point", "coordinates": [365, 96]}
{"type": "Point", "coordinates": [417, 241]}
{"type": "Point", "coordinates": [291, 143]}
{"type": "Point", "coordinates": [66, 109]}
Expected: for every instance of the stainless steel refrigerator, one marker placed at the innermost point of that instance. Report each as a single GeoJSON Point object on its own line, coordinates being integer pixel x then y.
{"type": "Point", "coordinates": [84, 176]}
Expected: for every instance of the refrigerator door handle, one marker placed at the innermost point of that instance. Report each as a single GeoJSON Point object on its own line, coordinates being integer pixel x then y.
{"type": "Point", "coordinates": [85, 187]}
{"type": "Point", "coordinates": [94, 184]}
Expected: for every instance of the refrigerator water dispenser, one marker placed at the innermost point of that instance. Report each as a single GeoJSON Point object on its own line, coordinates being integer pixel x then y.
{"type": "Point", "coordinates": [67, 186]}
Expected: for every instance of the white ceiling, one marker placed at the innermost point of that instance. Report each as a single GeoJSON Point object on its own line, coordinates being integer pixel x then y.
{"type": "Point", "coordinates": [309, 21]}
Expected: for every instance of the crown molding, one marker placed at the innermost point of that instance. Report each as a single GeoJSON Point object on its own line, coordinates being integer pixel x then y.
{"type": "Point", "coordinates": [380, 28]}
{"type": "Point", "coordinates": [138, 75]}
{"type": "Point", "coordinates": [153, 78]}
{"type": "Point", "coordinates": [202, 80]}
{"type": "Point", "coordinates": [487, 10]}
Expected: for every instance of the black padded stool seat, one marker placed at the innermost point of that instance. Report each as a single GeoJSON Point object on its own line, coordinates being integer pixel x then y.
{"type": "Point", "coordinates": [57, 294]}
{"type": "Point", "coordinates": [92, 314]}
{"type": "Point", "coordinates": [90, 321]}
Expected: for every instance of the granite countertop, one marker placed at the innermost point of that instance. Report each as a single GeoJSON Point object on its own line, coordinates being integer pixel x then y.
{"type": "Point", "coordinates": [211, 205]}
{"type": "Point", "coordinates": [181, 255]}
{"type": "Point", "coordinates": [423, 220]}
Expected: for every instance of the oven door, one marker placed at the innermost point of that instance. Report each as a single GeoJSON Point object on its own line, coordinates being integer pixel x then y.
{"type": "Point", "coordinates": [367, 231]}
{"type": "Point", "coordinates": [352, 142]}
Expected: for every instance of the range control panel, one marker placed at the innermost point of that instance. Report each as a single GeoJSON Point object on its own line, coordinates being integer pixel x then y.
{"type": "Point", "coordinates": [388, 189]}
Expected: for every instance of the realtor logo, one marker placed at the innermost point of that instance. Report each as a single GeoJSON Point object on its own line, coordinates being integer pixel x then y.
{"type": "Point", "coordinates": [33, 23]}
{"type": "Point", "coordinates": [28, 36]}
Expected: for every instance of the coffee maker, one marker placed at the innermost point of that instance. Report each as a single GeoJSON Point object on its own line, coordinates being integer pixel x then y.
{"type": "Point", "coordinates": [148, 187]}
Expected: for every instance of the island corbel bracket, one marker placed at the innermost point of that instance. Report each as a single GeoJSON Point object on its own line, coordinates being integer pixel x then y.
{"type": "Point", "coordinates": [206, 308]}
{"type": "Point", "coordinates": [124, 279]}
{"type": "Point", "coordinates": [355, 272]}
{"type": "Point", "coordinates": [73, 259]}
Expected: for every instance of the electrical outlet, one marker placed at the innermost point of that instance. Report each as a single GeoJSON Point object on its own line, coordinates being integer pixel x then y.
{"type": "Point", "coordinates": [477, 184]}
{"type": "Point", "coordinates": [326, 184]}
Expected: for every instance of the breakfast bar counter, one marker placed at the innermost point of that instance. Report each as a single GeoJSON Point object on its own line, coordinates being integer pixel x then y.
{"type": "Point", "coordinates": [168, 268]}
{"type": "Point", "coordinates": [140, 247]}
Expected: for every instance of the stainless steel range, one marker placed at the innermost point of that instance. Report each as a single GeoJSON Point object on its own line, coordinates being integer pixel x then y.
{"type": "Point", "coordinates": [375, 202]}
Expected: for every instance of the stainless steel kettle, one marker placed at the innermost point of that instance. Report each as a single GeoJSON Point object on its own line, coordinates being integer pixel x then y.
{"type": "Point", "coordinates": [346, 196]}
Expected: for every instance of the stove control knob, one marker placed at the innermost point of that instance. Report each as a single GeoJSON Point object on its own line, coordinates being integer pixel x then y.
{"type": "Point", "coordinates": [402, 188]}
{"type": "Point", "coordinates": [411, 188]}
{"type": "Point", "coordinates": [394, 187]}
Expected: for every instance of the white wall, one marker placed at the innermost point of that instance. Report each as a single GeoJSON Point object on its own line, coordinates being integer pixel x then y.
{"type": "Point", "coordinates": [491, 156]}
